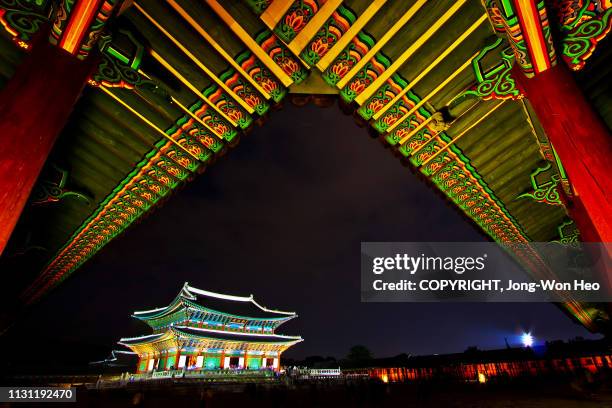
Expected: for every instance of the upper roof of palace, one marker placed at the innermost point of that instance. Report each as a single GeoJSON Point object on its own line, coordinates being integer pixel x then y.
{"type": "Point", "coordinates": [205, 304]}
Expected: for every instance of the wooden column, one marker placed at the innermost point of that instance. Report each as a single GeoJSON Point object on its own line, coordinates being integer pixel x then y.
{"type": "Point", "coordinates": [582, 141]}
{"type": "Point", "coordinates": [578, 134]}
{"type": "Point", "coordinates": [34, 107]}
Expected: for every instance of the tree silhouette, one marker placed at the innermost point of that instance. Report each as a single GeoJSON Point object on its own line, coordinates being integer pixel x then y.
{"type": "Point", "coordinates": [359, 353]}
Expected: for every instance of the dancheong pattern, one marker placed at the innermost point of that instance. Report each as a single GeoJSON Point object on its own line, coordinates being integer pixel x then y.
{"type": "Point", "coordinates": [163, 169]}
{"type": "Point", "coordinates": [93, 32]}
{"type": "Point", "coordinates": [568, 233]}
{"type": "Point", "coordinates": [281, 55]}
{"type": "Point", "coordinates": [351, 55]}
{"type": "Point", "coordinates": [417, 136]}
{"type": "Point", "coordinates": [296, 18]}
{"type": "Point", "coordinates": [451, 171]}
{"type": "Point", "coordinates": [52, 186]}
{"type": "Point", "coordinates": [228, 106]}
{"type": "Point", "coordinates": [365, 76]}
{"type": "Point", "coordinates": [506, 23]}
{"type": "Point", "coordinates": [245, 91]}
{"type": "Point", "coordinates": [260, 74]}
{"type": "Point", "coordinates": [167, 166]}
{"type": "Point", "coordinates": [495, 82]}
{"type": "Point", "coordinates": [545, 182]}
{"type": "Point", "coordinates": [584, 24]}
{"type": "Point", "coordinates": [21, 19]}
{"type": "Point", "coordinates": [333, 29]}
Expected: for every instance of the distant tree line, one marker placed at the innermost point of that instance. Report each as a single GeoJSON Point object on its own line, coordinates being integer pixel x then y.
{"type": "Point", "coordinates": [359, 356]}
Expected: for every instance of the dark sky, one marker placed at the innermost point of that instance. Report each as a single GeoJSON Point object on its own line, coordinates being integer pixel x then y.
{"type": "Point", "coordinates": [282, 216]}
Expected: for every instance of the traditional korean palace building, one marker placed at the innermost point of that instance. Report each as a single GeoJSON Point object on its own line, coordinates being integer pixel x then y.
{"type": "Point", "coordinates": [202, 330]}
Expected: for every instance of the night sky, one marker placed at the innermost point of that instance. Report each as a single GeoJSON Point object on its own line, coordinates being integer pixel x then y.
{"type": "Point", "coordinates": [282, 217]}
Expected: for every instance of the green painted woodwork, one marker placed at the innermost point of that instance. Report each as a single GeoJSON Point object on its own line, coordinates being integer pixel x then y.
{"type": "Point", "coordinates": [171, 362]}
{"type": "Point", "coordinates": [254, 363]}
{"type": "Point", "coordinates": [212, 363]}
{"type": "Point", "coordinates": [105, 147]}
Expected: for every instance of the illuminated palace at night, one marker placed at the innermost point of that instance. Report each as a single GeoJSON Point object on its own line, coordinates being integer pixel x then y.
{"type": "Point", "coordinates": [202, 330]}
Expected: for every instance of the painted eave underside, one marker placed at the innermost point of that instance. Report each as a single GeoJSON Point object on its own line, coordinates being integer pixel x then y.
{"type": "Point", "coordinates": [180, 81]}
{"type": "Point", "coordinates": [182, 335]}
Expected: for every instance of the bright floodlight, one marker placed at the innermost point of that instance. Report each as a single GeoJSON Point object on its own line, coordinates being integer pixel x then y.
{"type": "Point", "coordinates": [527, 339]}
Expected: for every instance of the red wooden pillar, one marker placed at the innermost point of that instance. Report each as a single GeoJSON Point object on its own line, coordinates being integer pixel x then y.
{"type": "Point", "coordinates": [579, 136]}
{"type": "Point", "coordinates": [582, 141]}
{"type": "Point", "coordinates": [34, 107]}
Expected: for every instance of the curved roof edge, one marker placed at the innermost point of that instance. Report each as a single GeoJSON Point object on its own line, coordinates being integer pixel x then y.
{"type": "Point", "coordinates": [125, 341]}
{"type": "Point", "coordinates": [249, 298]}
{"type": "Point", "coordinates": [191, 293]}
{"type": "Point", "coordinates": [282, 337]}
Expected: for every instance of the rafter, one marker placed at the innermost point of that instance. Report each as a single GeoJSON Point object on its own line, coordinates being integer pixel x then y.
{"type": "Point", "coordinates": [275, 12]}
{"type": "Point", "coordinates": [435, 134]}
{"type": "Point", "coordinates": [217, 47]}
{"type": "Point", "coordinates": [416, 130]}
{"type": "Point", "coordinates": [195, 60]}
{"type": "Point", "coordinates": [431, 66]}
{"type": "Point", "coordinates": [357, 26]}
{"type": "Point", "coordinates": [373, 87]}
{"type": "Point", "coordinates": [250, 42]}
{"type": "Point", "coordinates": [186, 110]}
{"type": "Point", "coordinates": [189, 85]}
{"type": "Point", "coordinates": [433, 92]}
{"type": "Point", "coordinates": [314, 25]}
{"type": "Point", "coordinates": [464, 132]}
{"type": "Point", "coordinates": [146, 120]}
{"type": "Point", "coordinates": [407, 16]}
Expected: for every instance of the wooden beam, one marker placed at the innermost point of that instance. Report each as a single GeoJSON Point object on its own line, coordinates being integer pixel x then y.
{"type": "Point", "coordinates": [435, 134]}
{"type": "Point", "coordinates": [464, 132]}
{"type": "Point", "coordinates": [147, 121]}
{"type": "Point", "coordinates": [407, 16]}
{"type": "Point", "coordinates": [79, 22]}
{"type": "Point", "coordinates": [357, 26]}
{"type": "Point", "coordinates": [250, 42]}
{"type": "Point", "coordinates": [189, 85]}
{"type": "Point", "coordinates": [414, 131]}
{"type": "Point", "coordinates": [302, 39]}
{"type": "Point", "coordinates": [431, 66]}
{"type": "Point", "coordinates": [529, 20]}
{"type": "Point", "coordinates": [213, 43]}
{"type": "Point", "coordinates": [432, 93]}
{"type": "Point", "coordinates": [194, 116]}
{"type": "Point", "coordinates": [195, 60]}
{"type": "Point", "coordinates": [414, 47]}
{"type": "Point", "coordinates": [275, 12]}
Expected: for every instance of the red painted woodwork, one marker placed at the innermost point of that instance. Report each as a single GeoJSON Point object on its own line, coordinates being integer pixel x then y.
{"type": "Point", "coordinates": [34, 107]}
{"type": "Point", "coordinates": [81, 17]}
{"type": "Point", "coordinates": [582, 141]}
